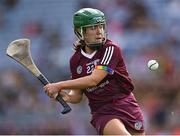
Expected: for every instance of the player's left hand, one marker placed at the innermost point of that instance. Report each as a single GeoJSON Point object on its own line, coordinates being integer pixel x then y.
{"type": "Point", "coordinates": [51, 90]}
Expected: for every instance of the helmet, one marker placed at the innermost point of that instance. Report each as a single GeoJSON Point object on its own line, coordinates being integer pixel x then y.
{"type": "Point", "coordinates": [88, 17]}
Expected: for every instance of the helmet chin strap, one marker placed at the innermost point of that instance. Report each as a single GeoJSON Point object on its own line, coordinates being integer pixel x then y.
{"type": "Point", "coordinates": [95, 46]}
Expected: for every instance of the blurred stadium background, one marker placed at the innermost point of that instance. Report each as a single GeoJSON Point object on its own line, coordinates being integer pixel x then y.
{"type": "Point", "coordinates": [145, 29]}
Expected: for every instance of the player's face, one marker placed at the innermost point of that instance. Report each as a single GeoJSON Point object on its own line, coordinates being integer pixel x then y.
{"type": "Point", "coordinates": [94, 34]}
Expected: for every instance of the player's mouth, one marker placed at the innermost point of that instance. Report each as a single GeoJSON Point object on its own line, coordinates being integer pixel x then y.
{"type": "Point", "coordinates": [99, 38]}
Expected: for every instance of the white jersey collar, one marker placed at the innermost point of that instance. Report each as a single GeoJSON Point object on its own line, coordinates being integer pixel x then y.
{"type": "Point", "coordinates": [88, 55]}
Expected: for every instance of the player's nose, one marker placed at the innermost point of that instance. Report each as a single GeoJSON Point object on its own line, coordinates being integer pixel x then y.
{"type": "Point", "coordinates": [98, 30]}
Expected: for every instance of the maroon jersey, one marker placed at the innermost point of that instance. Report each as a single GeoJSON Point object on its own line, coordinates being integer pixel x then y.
{"type": "Point", "coordinates": [116, 85]}
{"type": "Point", "coordinates": [112, 97]}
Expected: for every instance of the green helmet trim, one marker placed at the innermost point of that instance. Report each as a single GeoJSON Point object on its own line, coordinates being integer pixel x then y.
{"type": "Point", "coordinates": [88, 16]}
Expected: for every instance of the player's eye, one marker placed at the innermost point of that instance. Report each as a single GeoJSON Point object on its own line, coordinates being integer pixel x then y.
{"type": "Point", "coordinates": [92, 27]}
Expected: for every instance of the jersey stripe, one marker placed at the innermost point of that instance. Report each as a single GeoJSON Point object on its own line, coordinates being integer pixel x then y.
{"type": "Point", "coordinates": [104, 55]}
{"type": "Point", "coordinates": [110, 55]}
{"type": "Point", "coordinates": [107, 55]}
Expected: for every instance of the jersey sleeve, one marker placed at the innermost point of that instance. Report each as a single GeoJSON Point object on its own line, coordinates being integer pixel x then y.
{"type": "Point", "coordinates": [110, 58]}
{"type": "Point", "coordinates": [72, 69]}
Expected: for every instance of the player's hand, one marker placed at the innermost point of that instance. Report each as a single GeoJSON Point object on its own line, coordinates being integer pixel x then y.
{"type": "Point", "coordinates": [51, 90]}
{"type": "Point", "coordinates": [65, 96]}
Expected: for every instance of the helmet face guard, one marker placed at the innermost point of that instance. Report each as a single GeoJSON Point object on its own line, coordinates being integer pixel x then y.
{"type": "Point", "coordinates": [88, 17]}
{"type": "Point", "coordinates": [103, 25]}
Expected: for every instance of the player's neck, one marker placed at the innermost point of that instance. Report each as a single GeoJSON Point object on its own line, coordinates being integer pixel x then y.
{"type": "Point", "coordinates": [88, 50]}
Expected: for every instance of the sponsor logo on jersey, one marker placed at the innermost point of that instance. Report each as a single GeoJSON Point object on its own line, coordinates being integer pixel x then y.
{"type": "Point", "coordinates": [97, 87]}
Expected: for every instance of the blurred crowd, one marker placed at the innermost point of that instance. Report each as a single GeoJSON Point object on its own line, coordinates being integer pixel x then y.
{"type": "Point", "coordinates": [144, 29]}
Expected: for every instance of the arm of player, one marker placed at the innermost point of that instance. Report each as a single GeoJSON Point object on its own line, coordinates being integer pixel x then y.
{"type": "Point", "coordinates": [74, 96]}
{"type": "Point", "coordinates": [77, 84]}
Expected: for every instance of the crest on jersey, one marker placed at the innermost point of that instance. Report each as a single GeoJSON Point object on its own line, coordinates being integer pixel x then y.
{"type": "Point", "coordinates": [79, 69]}
{"type": "Point", "coordinates": [138, 125]}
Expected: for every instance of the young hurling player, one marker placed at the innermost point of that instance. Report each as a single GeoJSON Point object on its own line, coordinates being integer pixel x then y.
{"type": "Point", "coordinates": [99, 72]}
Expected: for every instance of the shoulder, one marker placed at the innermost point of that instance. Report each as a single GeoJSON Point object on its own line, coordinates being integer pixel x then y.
{"type": "Point", "coordinates": [109, 45]}
{"type": "Point", "coordinates": [75, 57]}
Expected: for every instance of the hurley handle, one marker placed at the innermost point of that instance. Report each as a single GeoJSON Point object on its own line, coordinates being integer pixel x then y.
{"type": "Point", "coordinates": [66, 107]}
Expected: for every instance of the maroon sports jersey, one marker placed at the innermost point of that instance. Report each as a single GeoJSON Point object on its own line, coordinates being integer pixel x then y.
{"type": "Point", "coordinates": [118, 85]}
{"type": "Point", "coordinates": [112, 97]}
